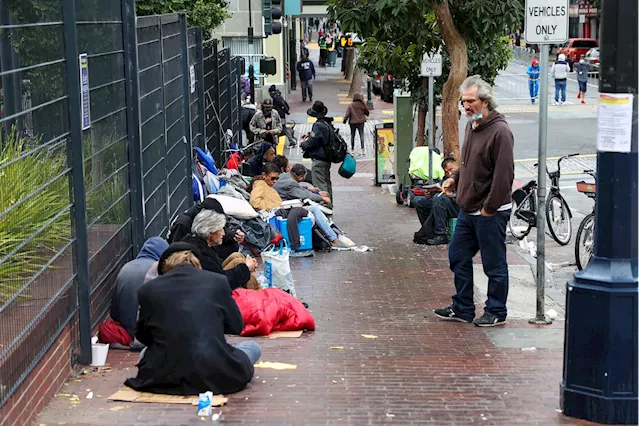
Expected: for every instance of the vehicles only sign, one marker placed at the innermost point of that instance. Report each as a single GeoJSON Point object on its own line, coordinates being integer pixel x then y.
{"type": "Point", "coordinates": [546, 21]}
{"type": "Point", "coordinates": [431, 65]}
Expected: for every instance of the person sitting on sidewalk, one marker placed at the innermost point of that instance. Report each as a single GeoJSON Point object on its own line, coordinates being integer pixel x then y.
{"type": "Point", "coordinates": [184, 316]}
{"type": "Point", "coordinates": [124, 303]}
{"type": "Point", "coordinates": [289, 188]}
{"type": "Point", "coordinates": [314, 147]}
{"type": "Point", "coordinates": [265, 154]}
{"type": "Point", "coordinates": [267, 123]}
{"type": "Point", "coordinates": [207, 233]}
{"type": "Point", "coordinates": [424, 204]}
{"type": "Point", "coordinates": [444, 208]}
{"type": "Point", "coordinates": [265, 197]}
{"type": "Point", "coordinates": [483, 185]}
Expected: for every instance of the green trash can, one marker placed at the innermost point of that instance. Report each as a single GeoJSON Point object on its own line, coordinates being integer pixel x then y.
{"type": "Point", "coordinates": [451, 225]}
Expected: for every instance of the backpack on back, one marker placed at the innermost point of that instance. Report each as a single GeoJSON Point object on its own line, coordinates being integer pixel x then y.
{"type": "Point", "coordinates": [336, 148]}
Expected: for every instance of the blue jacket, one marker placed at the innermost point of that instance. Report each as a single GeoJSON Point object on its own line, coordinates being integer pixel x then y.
{"type": "Point", "coordinates": [306, 70]}
{"type": "Point", "coordinates": [314, 146]}
{"type": "Point", "coordinates": [533, 72]}
{"type": "Point", "coordinates": [256, 162]}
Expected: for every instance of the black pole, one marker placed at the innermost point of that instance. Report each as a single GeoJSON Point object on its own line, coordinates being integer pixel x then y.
{"type": "Point", "coordinates": [252, 84]}
{"type": "Point", "coordinates": [369, 98]}
{"type": "Point", "coordinates": [600, 379]}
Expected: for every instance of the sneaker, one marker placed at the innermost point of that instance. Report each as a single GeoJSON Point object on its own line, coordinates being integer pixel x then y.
{"type": "Point", "coordinates": [564, 103]}
{"type": "Point", "coordinates": [438, 240]}
{"type": "Point", "coordinates": [555, 103]}
{"type": "Point", "coordinates": [583, 102]}
{"type": "Point", "coordinates": [346, 240]}
{"type": "Point", "coordinates": [448, 314]}
{"type": "Point", "coordinates": [578, 96]}
{"type": "Point", "coordinates": [340, 245]}
{"type": "Point", "coordinates": [488, 320]}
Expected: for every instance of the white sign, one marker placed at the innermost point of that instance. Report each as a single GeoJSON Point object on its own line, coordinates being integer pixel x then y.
{"type": "Point", "coordinates": [85, 109]}
{"type": "Point", "coordinates": [192, 74]}
{"type": "Point", "coordinates": [431, 65]}
{"type": "Point", "coordinates": [615, 119]}
{"type": "Point", "coordinates": [546, 21]}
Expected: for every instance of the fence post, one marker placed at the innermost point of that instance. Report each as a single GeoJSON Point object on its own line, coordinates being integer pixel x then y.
{"type": "Point", "coordinates": [201, 95]}
{"type": "Point", "coordinates": [186, 86]}
{"type": "Point", "coordinates": [133, 123]}
{"type": "Point", "coordinates": [75, 155]}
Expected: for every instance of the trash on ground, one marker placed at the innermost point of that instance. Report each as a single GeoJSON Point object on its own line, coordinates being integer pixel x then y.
{"type": "Point", "coordinates": [552, 314]}
{"type": "Point", "coordinates": [90, 395]}
{"type": "Point", "coordinates": [369, 336]}
{"type": "Point", "coordinates": [204, 404]}
{"type": "Point", "coordinates": [390, 415]}
{"type": "Point", "coordinates": [336, 348]}
{"type": "Point", "coordinates": [275, 365]}
{"type": "Point", "coordinates": [531, 349]}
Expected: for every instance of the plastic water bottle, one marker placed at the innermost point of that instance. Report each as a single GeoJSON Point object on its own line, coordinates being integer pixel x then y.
{"type": "Point", "coordinates": [264, 283]}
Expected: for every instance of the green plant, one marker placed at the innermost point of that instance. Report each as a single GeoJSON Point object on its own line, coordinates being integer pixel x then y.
{"type": "Point", "coordinates": [207, 14]}
{"type": "Point", "coordinates": [22, 216]}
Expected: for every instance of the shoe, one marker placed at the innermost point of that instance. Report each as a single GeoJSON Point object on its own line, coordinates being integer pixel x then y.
{"type": "Point", "coordinates": [340, 245]}
{"type": "Point", "coordinates": [488, 320]}
{"type": "Point", "coordinates": [438, 240]}
{"type": "Point", "coordinates": [555, 103]}
{"type": "Point", "coordinates": [533, 101]}
{"type": "Point", "coordinates": [564, 103]}
{"type": "Point", "coordinates": [583, 102]}
{"type": "Point", "coordinates": [347, 241]}
{"type": "Point", "coordinates": [448, 314]}
{"type": "Point", "coordinates": [578, 96]}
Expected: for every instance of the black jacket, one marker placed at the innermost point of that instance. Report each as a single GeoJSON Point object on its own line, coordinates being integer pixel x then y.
{"type": "Point", "coordinates": [280, 105]}
{"type": "Point", "coordinates": [314, 146]}
{"type": "Point", "coordinates": [184, 316]}
{"type": "Point", "coordinates": [210, 261]}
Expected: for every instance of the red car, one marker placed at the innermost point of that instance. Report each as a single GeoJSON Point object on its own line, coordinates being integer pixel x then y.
{"type": "Point", "coordinates": [574, 48]}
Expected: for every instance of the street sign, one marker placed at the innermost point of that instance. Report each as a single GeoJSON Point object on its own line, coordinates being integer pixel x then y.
{"type": "Point", "coordinates": [431, 65]}
{"type": "Point", "coordinates": [546, 21]}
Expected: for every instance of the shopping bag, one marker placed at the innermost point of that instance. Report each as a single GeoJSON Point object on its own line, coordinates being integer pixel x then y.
{"type": "Point", "coordinates": [348, 167]}
{"type": "Point", "coordinates": [276, 267]}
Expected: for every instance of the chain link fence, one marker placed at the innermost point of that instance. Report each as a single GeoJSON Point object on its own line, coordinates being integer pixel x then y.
{"type": "Point", "coordinates": [100, 111]}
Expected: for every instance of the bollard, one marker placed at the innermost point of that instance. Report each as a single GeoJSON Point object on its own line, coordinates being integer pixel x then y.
{"type": "Point", "coordinates": [369, 98]}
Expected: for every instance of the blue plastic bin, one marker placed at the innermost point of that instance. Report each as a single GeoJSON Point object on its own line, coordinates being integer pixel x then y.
{"type": "Point", "coordinates": [304, 228]}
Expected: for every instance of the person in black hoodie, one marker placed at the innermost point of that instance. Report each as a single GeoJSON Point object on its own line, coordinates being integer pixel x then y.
{"type": "Point", "coordinates": [281, 105]}
{"type": "Point", "coordinates": [184, 315]}
{"type": "Point", "coordinates": [206, 233]}
{"type": "Point", "coordinates": [314, 146]}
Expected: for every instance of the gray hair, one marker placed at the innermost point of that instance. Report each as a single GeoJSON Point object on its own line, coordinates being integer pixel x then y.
{"type": "Point", "coordinates": [207, 222]}
{"type": "Point", "coordinates": [484, 90]}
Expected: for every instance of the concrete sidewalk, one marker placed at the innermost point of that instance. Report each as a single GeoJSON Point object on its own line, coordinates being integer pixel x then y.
{"type": "Point", "coordinates": [418, 371]}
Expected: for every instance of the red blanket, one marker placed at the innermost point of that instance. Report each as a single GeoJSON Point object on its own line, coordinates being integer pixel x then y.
{"type": "Point", "coordinates": [271, 310]}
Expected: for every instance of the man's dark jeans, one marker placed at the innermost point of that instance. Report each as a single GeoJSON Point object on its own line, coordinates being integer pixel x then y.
{"type": "Point", "coordinates": [423, 207]}
{"type": "Point", "coordinates": [444, 208]}
{"type": "Point", "coordinates": [486, 234]}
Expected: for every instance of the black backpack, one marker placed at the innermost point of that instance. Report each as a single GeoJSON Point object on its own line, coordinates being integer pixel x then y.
{"type": "Point", "coordinates": [319, 241]}
{"type": "Point", "coordinates": [336, 147]}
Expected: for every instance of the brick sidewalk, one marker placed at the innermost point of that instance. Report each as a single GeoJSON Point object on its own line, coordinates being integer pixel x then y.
{"type": "Point", "coordinates": [418, 371]}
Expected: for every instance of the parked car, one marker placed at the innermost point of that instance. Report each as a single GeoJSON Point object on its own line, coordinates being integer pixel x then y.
{"type": "Point", "coordinates": [574, 48]}
{"type": "Point", "coordinates": [592, 58]}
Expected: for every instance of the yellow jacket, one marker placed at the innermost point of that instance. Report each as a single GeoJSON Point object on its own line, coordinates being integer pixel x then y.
{"type": "Point", "coordinates": [263, 197]}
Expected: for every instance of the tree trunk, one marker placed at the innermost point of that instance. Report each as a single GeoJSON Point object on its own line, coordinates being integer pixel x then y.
{"type": "Point", "coordinates": [422, 117]}
{"type": "Point", "coordinates": [350, 64]}
{"type": "Point", "coordinates": [356, 83]}
{"type": "Point", "coordinates": [457, 49]}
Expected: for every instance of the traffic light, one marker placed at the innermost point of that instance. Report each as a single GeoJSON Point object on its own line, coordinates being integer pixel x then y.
{"type": "Point", "coordinates": [272, 13]}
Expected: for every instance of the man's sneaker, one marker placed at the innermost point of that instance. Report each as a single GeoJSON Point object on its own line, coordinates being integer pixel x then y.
{"type": "Point", "coordinates": [438, 240]}
{"type": "Point", "coordinates": [448, 314]}
{"type": "Point", "coordinates": [555, 103]}
{"type": "Point", "coordinates": [347, 241]}
{"type": "Point", "coordinates": [488, 320]}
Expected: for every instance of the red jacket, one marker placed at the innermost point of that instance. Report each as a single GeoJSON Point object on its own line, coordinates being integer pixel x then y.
{"type": "Point", "coordinates": [271, 310]}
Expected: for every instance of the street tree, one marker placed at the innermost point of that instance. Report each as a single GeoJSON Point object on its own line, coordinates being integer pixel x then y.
{"type": "Point", "coordinates": [470, 34]}
{"type": "Point", "coordinates": [207, 14]}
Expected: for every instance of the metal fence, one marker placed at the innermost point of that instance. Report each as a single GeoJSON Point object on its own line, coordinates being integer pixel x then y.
{"type": "Point", "coordinates": [99, 114]}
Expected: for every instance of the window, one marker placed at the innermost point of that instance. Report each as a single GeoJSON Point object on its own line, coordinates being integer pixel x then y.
{"type": "Point", "coordinates": [584, 44]}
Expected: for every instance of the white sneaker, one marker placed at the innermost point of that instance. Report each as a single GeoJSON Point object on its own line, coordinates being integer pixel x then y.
{"type": "Point", "coordinates": [346, 241]}
{"type": "Point", "coordinates": [555, 103]}
{"type": "Point", "coordinates": [564, 102]}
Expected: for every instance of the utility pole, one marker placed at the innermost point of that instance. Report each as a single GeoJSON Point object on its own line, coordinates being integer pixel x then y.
{"type": "Point", "coordinates": [600, 375]}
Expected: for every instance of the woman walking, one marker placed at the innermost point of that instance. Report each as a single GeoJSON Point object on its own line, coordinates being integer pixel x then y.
{"type": "Point", "coordinates": [356, 115]}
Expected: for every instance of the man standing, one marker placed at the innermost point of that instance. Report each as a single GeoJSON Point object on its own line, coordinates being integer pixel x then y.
{"type": "Point", "coordinates": [534, 79]}
{"type": "Point", "coordinates": [282, 106]}
{"type": "Point", "coordinates": [483, 185]}
{"type": "Point", "coordinates": [559, 71]}
{"type": "Point", "coordinates": [314, 147]}
{"type": "Point", "coordinates": [266, 123]}
{"type": "Point", "coordinates": [306, 71]}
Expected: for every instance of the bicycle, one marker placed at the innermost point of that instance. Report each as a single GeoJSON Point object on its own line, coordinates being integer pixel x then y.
{"type": "Point", "coordinates": [557, 210]}
{"type": "Point", "coordinates": [586, 230]}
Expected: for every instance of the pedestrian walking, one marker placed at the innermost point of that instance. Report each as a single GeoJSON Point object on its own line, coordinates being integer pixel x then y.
{"type": "Point", "coordinates": [582, 70]}
{"type": "Point", "coordinates": [322, 43]}
{"type": "Point", "coordinates": [534, 79]}
{"type": "Point", "coordinates": [483, 193]}
{"type": "Point", "coordinates": [356, 116]}
{"type": "Point", "coordinates": [518, 37]}
{"type": "Point", "coordinates": [314, 146]}
{"type": "Point", "coordinates": [307, 73]}
{"type": "Point", "coordinates": [559, 72]}
{"type": "Point", "coordinates": [282, 106]}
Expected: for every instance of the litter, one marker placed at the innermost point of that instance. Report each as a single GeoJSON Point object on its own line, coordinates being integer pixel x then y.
{"type": "Point", "coordinates": [90, 395]}
{"type": "Point", "coordinates": [336, 348]}
{"type": "Point", "coordinates": [216, 416]}
{"type": "Point", "coordinates": [552, 314]}
{"type": "Point", "coordinates": [275, 365]}
{"type": "Point", "coordinates": [390, 415]}
{"type": "Point", "coordinates": [531, 349]}
{"type": "Point", "coordinates": [369, 336]}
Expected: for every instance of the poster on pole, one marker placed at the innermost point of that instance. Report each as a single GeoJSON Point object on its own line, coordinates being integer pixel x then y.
{"type": "Point", "coordinates": [546, 21]}
{"type": "Point", "coordinates": [85, 109]}
{"type": "Point", "coordinates": [615, 122]}
{"type": "Point", "coordinates": [385, 149]}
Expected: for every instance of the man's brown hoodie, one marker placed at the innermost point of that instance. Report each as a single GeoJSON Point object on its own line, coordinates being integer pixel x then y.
{"type": "Point", "coordinates": [485, 177]}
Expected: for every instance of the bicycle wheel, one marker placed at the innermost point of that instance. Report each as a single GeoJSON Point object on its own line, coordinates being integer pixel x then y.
{"type": "Point", "coordinates": [584, 241]}
{"type": "Point", "coordinates": [558, 219]}
{"type": "Point", "coordinates": [519, 225]}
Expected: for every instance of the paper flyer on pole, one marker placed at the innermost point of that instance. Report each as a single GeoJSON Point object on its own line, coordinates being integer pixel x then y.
{"type": "Point", "coordinates": [615, 118]}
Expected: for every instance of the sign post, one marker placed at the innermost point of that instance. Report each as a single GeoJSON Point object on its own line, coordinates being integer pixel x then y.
{"type": "Point", "coordinates": [546, 22]}
{"type": "Point", "coordinates": [431, 66]}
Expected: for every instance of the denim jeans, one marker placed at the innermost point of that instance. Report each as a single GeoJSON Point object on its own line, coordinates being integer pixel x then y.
{"type": "Point", "coordinates": [322, 222]}
{"type": "Point", "coordinates": [423, 208]}
{"type": "Point", "coordinates": [533, 88]}
{"type": "Point", "coordinates": [486, 234]}
{"type": "Point", "coordinates": [307, 89]}
{"type": "Point", "coordinates": [561, 90]}
{"type": "Point", "coordinates": [444, 208]}
{"type": "Point", "coordinates": [251, 348]}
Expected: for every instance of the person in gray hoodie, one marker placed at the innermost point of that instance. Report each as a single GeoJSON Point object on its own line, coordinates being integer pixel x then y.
{"type": "Point", "coordinates": [289, 188]}
{"type": "Point", "coordinates": [124, 304]}
{"type": "Point", "coordinates": [559, 71]}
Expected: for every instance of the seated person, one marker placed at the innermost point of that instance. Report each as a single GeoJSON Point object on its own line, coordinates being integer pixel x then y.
{"type": "Point", "coordinates": [207, 232]}
{"type": "Point", "coordinates": [181, 227]}
{"type": "Point", "coordinates": [424, 204]}
{"type": "Point", "coordinates": [289, 188]}
{"type": "Point", "coordinates": [264, 197]}
{"type": "Point", "coordinates": [444, 208]}
{"type": "Point", "coordinates": [184, 315]}
{"type": "Point", "coordinates": [283, 164]}
{"type": "Point", "coordinates": [266, 153]}
{"type": "Point", "coordinates": [124, 304]}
